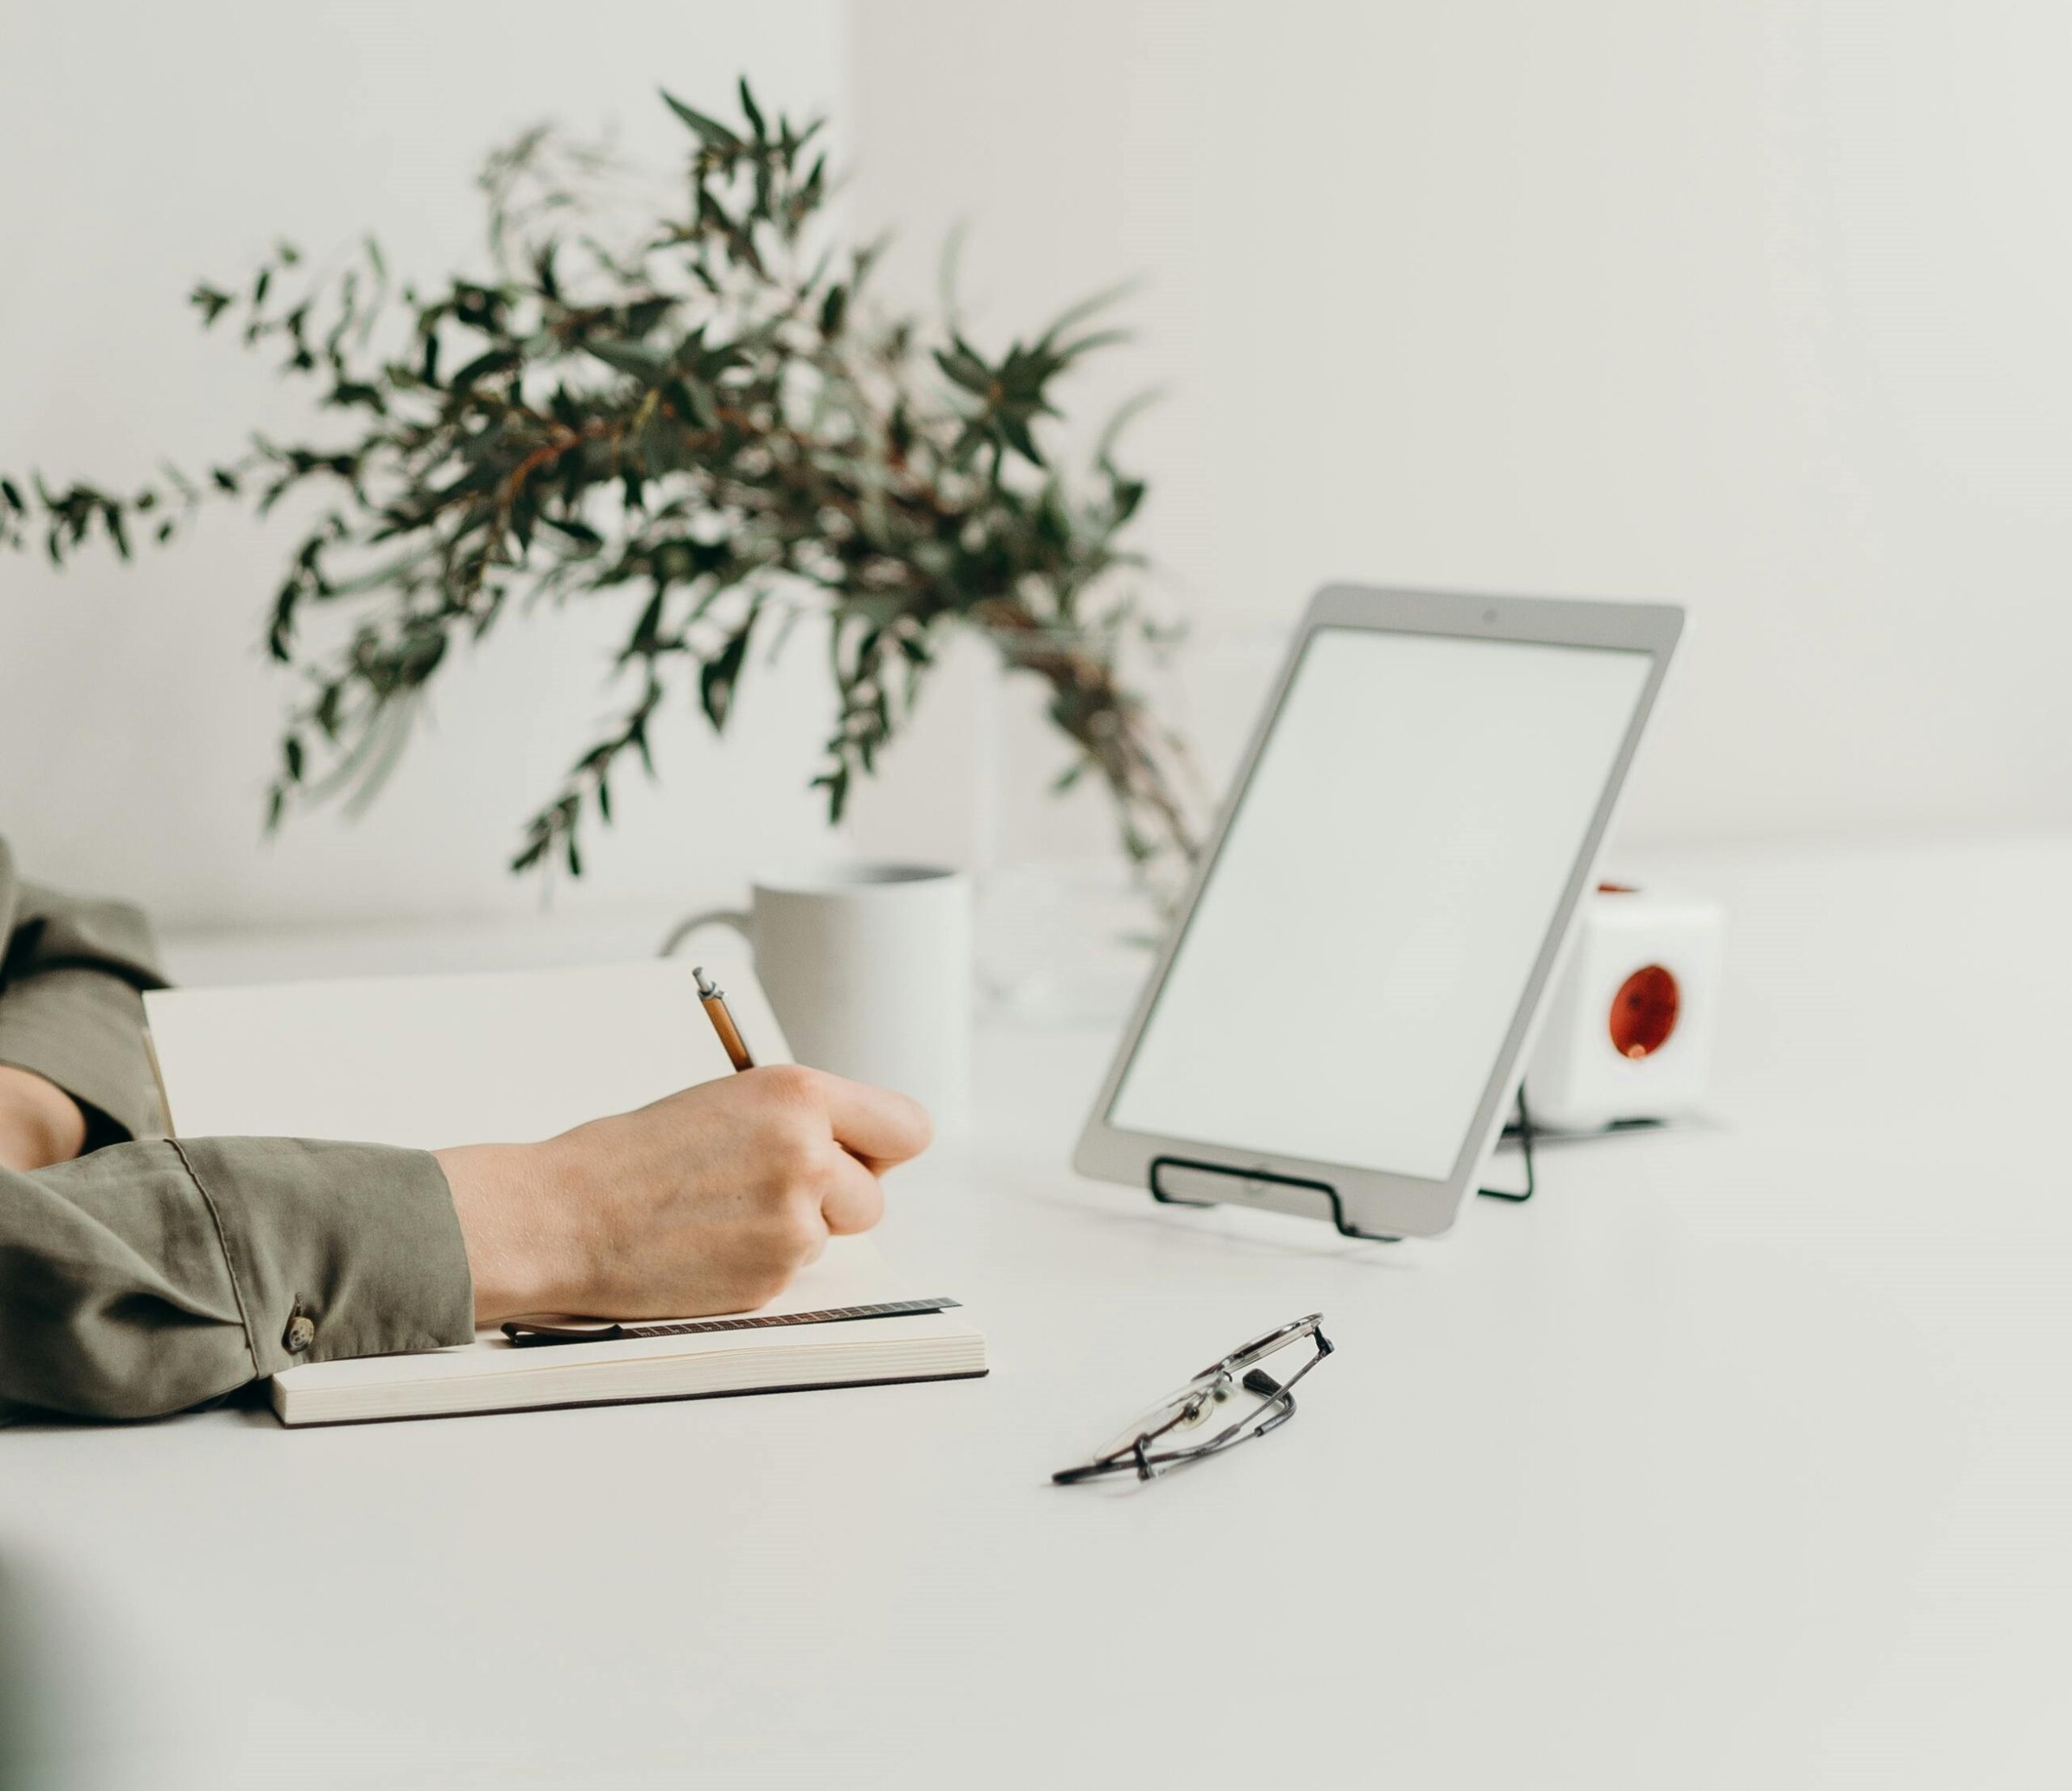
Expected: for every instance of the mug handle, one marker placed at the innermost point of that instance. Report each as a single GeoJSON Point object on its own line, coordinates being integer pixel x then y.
{"type": "Point", "coordinates": [734, 918]}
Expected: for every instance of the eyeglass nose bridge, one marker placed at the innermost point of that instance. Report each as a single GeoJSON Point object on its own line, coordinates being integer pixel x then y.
{"type": "Point", "coordinates": [1202, 1394]}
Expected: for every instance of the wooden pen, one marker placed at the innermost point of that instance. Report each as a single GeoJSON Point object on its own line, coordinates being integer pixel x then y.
{"type": "Point", "coordinates": [715, 1003]}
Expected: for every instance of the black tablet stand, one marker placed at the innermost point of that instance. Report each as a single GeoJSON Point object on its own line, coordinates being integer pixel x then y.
{"type": "Point", "coordinates": [1522, 1129]}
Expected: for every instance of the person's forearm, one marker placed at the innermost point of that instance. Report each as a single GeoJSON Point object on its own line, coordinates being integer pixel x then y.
{"type": "Point", "coordinates": [40, 1123]}
{"type": "Point", "coordinates": [519, 1229]}
{"type": "Point", "coordinates": [148, 1277]}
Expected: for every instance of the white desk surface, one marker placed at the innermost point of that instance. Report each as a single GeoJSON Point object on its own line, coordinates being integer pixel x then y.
{"type": "Point", "coordinates": [1739, 1457]}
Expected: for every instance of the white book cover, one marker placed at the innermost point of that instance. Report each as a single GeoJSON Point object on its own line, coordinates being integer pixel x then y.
{"type": "Point", "coordinates": [511, 1058]}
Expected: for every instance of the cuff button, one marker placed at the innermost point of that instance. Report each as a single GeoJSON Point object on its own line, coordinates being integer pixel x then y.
{"type": "Point", "coordinates": [301, 1334]}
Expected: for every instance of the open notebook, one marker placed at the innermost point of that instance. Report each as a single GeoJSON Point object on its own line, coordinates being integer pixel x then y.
{"type": "Point", "coordinates": [433, 1060]}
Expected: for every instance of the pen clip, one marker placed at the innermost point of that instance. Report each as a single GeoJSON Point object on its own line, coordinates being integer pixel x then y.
{"type": "Point", "coordinates": [541, 1330]}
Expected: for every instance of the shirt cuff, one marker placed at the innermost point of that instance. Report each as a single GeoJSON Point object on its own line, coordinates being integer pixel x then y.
{"type": "Point", "coordinates": [83, 1029]}
{"type": "Point", "coordinates": [335, 1249]}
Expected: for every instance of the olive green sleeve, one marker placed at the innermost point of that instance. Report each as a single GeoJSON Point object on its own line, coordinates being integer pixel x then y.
{"type": "Point", "coordinates": [150, 1277]}
{"type": "Point", "coordinates": [71, 971]}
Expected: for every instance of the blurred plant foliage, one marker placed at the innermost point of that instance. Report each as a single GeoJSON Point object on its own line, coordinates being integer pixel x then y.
{"type": "Point", "coordinates": [700, 408]}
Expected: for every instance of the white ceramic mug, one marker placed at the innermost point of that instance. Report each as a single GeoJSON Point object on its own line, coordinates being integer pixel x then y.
{"type": "Point", "coordinates": [868, 968]}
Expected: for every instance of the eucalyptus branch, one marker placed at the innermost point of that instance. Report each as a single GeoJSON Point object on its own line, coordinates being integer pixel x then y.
{"type": "Point", "coordinates": [702, 407]}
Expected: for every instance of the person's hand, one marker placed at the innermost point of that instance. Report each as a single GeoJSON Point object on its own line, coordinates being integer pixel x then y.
{"type": "Point", "coordinates": [708, 1201]}
{"type": "Point", "coordinates": [40, 1123]}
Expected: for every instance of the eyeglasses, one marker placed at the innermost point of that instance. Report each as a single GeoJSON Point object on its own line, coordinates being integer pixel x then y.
{"type": "Point", "coordinates": [1156, 1441]}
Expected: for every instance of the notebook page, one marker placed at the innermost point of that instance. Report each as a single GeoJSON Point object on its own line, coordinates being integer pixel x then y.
{"type": "Point", "coordinates": [428, 1061]}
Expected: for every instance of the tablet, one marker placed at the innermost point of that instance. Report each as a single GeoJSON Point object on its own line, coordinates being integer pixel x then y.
{"type": "Point", "coordinates": [1339, 1018]}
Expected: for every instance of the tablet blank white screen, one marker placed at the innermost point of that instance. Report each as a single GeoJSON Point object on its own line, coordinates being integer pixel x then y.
{"type": "Point", "coordinates": [1361, 945]}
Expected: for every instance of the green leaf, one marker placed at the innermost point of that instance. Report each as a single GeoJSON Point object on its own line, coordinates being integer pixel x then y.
{"type": "Point", "coordinates": [750, 111]}
{"type": "Point", "coordinates": [637, 359]}
{"type": "Point", "coordinates": [832, 310]}
{"type": "Point", "coordinates": [495, 360]}
{"type": "Point", "coordinates": [1065, 353]}
{"type": "Point", "coordinates": [280, 633]}
{"type": "Point", "coordinates": [964, 368]}
{"type": "Point", "coordinates": [1017, 437]}
{"type": "Point", "coordinates": [12, 493]}
{"type": "Point", "coordinates": [690, 402]}
{"type": "Point", "coordinates": [1085, 308]}
{"type": "Point", "coordinates": [709, 130]}
{"type": "Point", "coordinates": [717, 677]}
{"type": "Point", "coordinates": [644, 314]}
{"type": "Point", "coordinates": [836, 783]}
{"type": "Point", "coordinates": [1126, 412]}
{"type": "Point", "coordinates": [574, 530]}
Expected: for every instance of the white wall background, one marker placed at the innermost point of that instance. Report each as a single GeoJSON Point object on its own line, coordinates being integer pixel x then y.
{"type": "Point", "coordinates": [1750, 304]}
{"type": "Point", "coordinates": [1757, 305]}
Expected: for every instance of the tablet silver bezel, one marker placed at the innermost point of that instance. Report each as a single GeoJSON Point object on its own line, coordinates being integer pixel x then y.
{"type": "Point", "coordinates": [1368, 1200]}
